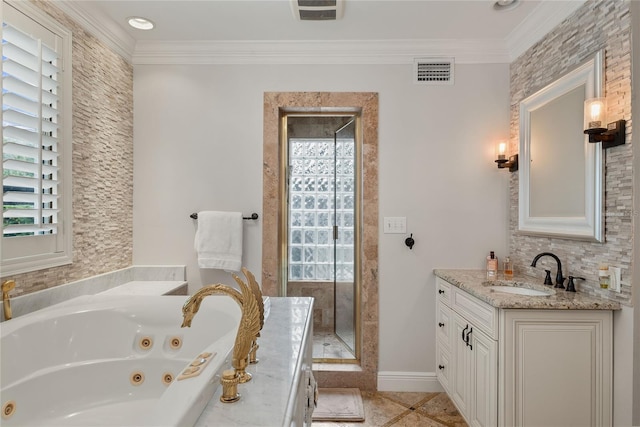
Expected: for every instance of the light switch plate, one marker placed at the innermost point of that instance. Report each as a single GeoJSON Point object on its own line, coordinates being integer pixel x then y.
{"type": "Point", "coordinates": [395, 224]}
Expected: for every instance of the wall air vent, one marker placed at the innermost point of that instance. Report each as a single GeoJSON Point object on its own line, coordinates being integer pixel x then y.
{"type": "Point", "coordinates": [433, 71]}
{"type": "Point", "coordinates": [317, 10]}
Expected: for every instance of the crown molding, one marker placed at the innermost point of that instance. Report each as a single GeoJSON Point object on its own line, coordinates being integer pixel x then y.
{"type": "Point", "coordinates": [543, 19]}
{"type": "Point", "coordinates": [98, 24]}
{"type": "Point", "coordinates": [539, 23]}
{"type": "Point", "coordinates": [317, 52]}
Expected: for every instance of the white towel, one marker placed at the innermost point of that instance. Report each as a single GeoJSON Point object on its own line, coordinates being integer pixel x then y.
{"type": "Point", "coordinates": [218, 240]}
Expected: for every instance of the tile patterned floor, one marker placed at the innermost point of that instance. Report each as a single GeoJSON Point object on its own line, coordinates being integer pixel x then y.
{"type": "Point", "coordinates": [385, 409]}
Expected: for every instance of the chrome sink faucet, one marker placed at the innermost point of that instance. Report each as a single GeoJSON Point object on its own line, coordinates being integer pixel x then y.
{"type": "Point", "coordinates": [559, 277]}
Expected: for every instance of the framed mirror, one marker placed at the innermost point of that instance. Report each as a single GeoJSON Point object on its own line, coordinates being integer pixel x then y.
{"type": "Point", "coordinates": [561, 180]}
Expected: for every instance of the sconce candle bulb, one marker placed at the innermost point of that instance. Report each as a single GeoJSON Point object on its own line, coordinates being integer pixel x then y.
{"type": "Point", "coordinates": [595, 109]}
{"type": "Point", "coordinates": [610, 135]}
{"type": "Point", "coordinates": [501, 157]}
{"type": "Point", "coordinates": [502, 150]}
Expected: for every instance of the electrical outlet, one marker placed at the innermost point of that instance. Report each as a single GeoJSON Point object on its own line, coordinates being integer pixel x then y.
{"type": "Point", "coordinates": [395, 225]}
{"type": "Point", "coordinates": [614, 279]}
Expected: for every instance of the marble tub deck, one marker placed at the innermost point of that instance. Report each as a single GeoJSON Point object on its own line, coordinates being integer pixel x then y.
{"type": "Point", "coordinates": [134, 280]}
{"type": "Point", "coordinates": [267, 399]}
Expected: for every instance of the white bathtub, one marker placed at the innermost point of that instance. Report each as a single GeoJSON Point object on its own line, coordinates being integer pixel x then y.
{"type": "Point", "coordinates": [77, 363]}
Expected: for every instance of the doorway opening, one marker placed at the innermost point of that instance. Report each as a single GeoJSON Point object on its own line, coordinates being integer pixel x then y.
{"type": "Point", "coordinates": [321, 225]}
{"type": "Point", "coordinates": [364, 372]}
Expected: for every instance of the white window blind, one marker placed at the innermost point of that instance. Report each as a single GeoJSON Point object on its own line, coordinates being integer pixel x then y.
{"type": "Point", "coordinates": [36, 186]}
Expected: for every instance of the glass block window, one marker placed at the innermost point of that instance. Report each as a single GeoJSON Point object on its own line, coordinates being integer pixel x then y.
{"type": "Point", "coordinates": [321, 195]}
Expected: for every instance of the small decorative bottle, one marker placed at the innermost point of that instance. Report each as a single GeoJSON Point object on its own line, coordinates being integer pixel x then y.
{"type": "Point", "coordinates": [603, 276]}
{"type": "Point", "coordinates": [508, 268]}
{"type": "Point", "coordinates": [492, 266]}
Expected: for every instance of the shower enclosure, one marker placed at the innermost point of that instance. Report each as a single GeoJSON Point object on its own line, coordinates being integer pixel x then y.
{"type": "Point", "coordinates": [323, 227]}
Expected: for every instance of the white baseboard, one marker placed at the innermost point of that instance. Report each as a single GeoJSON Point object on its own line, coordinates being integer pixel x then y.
{"type": "Point", "coordinates": [408, 381]}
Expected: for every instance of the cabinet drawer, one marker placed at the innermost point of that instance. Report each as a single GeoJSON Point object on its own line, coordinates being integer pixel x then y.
{"type": "Point", "coordinates": [443, 370]}
{"type": "Point", "coordinates": [443, 290]}
{"type": "Point", "coordinates": [481, 314]}
{"type": "Point", "coordinates": [444, 325]}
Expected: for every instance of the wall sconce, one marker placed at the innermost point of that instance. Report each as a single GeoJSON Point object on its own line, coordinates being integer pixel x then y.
{"type": "Point", "coordinates": [594, 117]}
{"type": "Point", "coordinates": [501, 157]}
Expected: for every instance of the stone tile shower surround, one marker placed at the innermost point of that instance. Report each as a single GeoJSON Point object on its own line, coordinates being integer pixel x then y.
{"type": "Point", "coordinates": [274, 103]}
{"type": "Point", "coordinates": [596, 25]}
{"type": "Point", "coordinates": [323, 302]}
{"type": "Point", "coordinates": [102, 163]}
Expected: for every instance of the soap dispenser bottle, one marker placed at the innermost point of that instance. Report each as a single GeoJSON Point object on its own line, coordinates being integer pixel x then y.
{"type": "Point", "coordinates": [492, 266]}
{"type": "Point", "coordinates": [508, 268]}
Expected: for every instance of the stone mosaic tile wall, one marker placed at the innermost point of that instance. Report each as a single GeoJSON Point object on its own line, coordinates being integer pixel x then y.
{"type": "Point", "coordinates": [102, 163]}
{"type": "Point", "coordinates": [598, 24]}
{"type": "Point", "coordinates": [323, 304]}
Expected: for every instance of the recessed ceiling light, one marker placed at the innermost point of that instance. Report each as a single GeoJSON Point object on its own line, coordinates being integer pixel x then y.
{"type": "Point", "coordinates": [140, 23]}
{"type": "Point", "coordinates": [506, 4]}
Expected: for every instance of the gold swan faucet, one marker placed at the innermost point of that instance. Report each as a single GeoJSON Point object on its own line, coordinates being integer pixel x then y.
{"type": "Point", "coordinates": [250, 301]}
{"type": "Point", "coordinates": [7, 286]}
{"type": "Point", "coordinates": [257, 293]}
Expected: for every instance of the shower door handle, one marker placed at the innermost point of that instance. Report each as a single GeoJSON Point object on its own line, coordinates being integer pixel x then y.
{"type": "Point", "coordinates": [335, 232]}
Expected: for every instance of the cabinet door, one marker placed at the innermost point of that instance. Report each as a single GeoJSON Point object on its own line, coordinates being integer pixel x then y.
{"type": "Point", "coordinates": [460, 378]}
{"type": "Point", "coordinates": [484, 380]}
{"type": "Point", "coordinates": [557, 367]}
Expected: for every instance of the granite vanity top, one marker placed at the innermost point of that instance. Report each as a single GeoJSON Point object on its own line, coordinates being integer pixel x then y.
{"type": "Point", "coordinates": [474, 282]}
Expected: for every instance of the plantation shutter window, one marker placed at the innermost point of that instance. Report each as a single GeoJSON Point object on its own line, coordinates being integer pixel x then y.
{"type": "Point", "coordinates": [30, 122]}
{"type": "Point", "coordinates": [35, 142]}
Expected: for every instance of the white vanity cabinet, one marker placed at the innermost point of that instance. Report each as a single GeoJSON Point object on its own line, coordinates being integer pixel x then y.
{"type": "Point", "coordinates": [524, 367]}
{"type": "Point", "coordinates": [306, 397]}
{"type": "Point", "coordinates": [467, 354]}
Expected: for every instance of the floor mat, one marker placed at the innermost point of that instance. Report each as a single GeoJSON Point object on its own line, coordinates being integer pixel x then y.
{"type": "Point", "coordinates": [339, 404]}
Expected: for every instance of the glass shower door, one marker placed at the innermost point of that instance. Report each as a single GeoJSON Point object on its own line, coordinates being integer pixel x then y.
{"type": "Point", "coordinates": [344, 234]}
{"type": "Point", "coordinates": [321, 228]}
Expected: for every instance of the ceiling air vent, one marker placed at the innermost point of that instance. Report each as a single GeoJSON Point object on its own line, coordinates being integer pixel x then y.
{"type": "Point", "coordinates": [317, 10]}
{"type": "Point", "coordinates": [433, 71]}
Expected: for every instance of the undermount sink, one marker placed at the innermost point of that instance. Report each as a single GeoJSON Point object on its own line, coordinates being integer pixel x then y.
{"type": "Point", "coordinates": [518, 288]}
{"type": "Point", "coordinates": [521, 291]}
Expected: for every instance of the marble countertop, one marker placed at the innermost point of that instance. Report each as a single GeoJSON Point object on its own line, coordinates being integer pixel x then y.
{"type": "Point", "coordinates": [473, 282]}
{"type": "Point", "coordinates": [267, 399]}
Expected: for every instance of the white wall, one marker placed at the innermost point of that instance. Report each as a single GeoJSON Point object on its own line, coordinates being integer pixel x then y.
{"type": "Point", "coordinates": [198, 145]}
